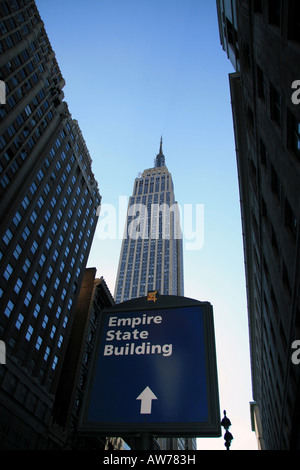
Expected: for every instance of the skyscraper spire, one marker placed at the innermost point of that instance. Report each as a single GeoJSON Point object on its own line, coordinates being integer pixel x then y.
{"type": "Point", "coordinates": [160, 158]}
{"type": "Point", "coordinates": [160, 147]}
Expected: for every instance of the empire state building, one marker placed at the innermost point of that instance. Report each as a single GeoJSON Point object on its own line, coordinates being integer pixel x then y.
{"type": "Point", "coordinates": [151, 254]}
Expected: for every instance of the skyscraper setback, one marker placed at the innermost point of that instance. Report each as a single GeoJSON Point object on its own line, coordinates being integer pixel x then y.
{"type": "Point", "coordinates": [49, 199]}
{"type": "Point", "coordinates": [151, 255]}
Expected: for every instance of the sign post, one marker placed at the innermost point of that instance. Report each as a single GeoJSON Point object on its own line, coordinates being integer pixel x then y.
{"type": "Point", "coordinates": [154, 371]}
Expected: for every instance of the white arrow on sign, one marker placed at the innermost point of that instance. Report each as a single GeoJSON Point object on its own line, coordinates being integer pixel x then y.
{"type": "Point", "coordinates": [146, 398]}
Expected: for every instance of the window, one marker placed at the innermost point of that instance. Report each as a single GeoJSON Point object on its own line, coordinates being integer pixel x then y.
{"type": "Point", "coordinates": [29, 332]}
{"type": "Point", "coordinates": [17, 218]}
{"type": "Point", "coordinates": [25, 233]}
{"type": "Point", "coordinates": [5, 181]}
{"type": "Point", "coordinates": [285, 279]}
{"type": "Point", "coordinates": [2, 142]}
{"type": "Point", "coordinates": [58, 312]}
{"type": "Point", "coordinates": [18, 251]}
{"type": "Point", "coordinates": [274, 241]}
{"type": "Point", "coordinates": [60, 340]}
{"type": "Point", "coordinates": [263, 153]}
{"type": "Point", "coordinates": [275, 104]}
{"type": "Point", "coordinates": [33, 217]}
{"type": "Point", "coordinates": [7, 237]}
{"type": "Point", "coordinates": [294, 20]}
{"type": "Point", "coordinates": [41, 202]}
{"type": "Point", "coordinates": [53, 330]}
{"type": "Point", "coordinates": [51, 301]}
{"type": "Point", "coordinates": [50, 271]}
{"type": "Point", "coordinates": [43, 290]}
{"type": "Point", "coordinates": [18, 286]}
{"type": "Point", "coordinates": [34, 247]}
{"type": "Point", "coordinates": [274, 12]}
{"type": "Point", "coordinates": [290, 219]}
{"type": "Point", "coordinates": [42, 260]}
{"type": "Point", "coordinates": [8, 271]}
{"type": "Point", "coordinates": [27, 265]}
{"type": "Point", "coordinates": [35, 278]}
{"type": "Point", "coordinates": [19, 321]}
{"type": "Point", "coordinates": [275, 183]}
{"type": "Point", "coordinates": [54, 362]}
{"type": "Point", "coordinates": [28, 110]}
{"type": "Point", "coordinates": [9, 308]}
{"type": "Point", "coordinates": [250, 119]}
{"type": "Point", "coordinates": [260, 83]}
{"type": "Point", "coordinates": [47, 215]}
{"type": "Point", "coordinates": [257, 6]}
{"type": "Point", "coordinates": [47, 352]}
{"type": "Point", "coordinates": [45, 321]}
{"type": "Point", "coordinates": [294, 134]}
{"type": "Point", "coordinates": [41, 230]}
{"type": "Point", "coordinates": [36, 310]}
{"type": "Point", "coordinates": [38, 343]}
{"type": "Point", "coordinates": [28, 298]}
{"type": "Point", "coordinates": [54, 228]}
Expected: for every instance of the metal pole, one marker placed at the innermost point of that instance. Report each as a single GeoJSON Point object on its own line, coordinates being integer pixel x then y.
{"type": "Point", "coordinates": [146, 441]}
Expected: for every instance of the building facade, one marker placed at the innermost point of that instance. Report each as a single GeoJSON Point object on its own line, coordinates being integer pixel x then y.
{"type": "Point", "coordinates": [94, 296]}
{"type": "Point", "coordinates": [262, 40]}
{"type": "Point", "coordinates": [151, 256]}
{"type": "Point", "coordinates": [49, 199]}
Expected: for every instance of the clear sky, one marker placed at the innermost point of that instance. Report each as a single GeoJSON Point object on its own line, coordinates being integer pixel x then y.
{"type": "Point", "coordinates": [139, 69]}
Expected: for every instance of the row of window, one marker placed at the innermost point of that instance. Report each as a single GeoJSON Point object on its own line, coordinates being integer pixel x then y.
{"type": "Point", "coordinates": [151, 185]}
{"type": "Point", "coordinates": [290, 220]}
{"type": "Point", "coordinates": [33, 219]}
{"type": "Point", "coordinates": [18, 151]}
{"type": "Point", "coordinates": [276, 113]}
{"type": "Point", "coordinates": [275, 15]}
{"type": "Point", "coordinates": [37, 114]}
{"type": "Point", "coordinates": [22, 393]}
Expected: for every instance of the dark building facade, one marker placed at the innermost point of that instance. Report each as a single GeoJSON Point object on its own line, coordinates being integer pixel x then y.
{"type": "Point", "coordinates": [94, 296]}
{"type": "Point", "coordinates": [49, 200]}
{"type": "Point", "coordinates": [262, 40]}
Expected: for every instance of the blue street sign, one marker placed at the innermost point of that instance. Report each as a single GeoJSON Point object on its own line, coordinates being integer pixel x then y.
{"type": "Point", "coordinates": [155, 370]}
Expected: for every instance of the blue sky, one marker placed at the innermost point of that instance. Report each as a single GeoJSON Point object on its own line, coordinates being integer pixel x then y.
{"type": "Point", "coordinates": [139, 69]}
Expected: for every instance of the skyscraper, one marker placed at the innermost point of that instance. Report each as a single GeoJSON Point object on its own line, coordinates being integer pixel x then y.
{"type": "Point", "coordinates": [49, 199]}
{"type": "Point", "coordinates": [262, 40]}
{"type": "Point", "coordinates": [151, 255]}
